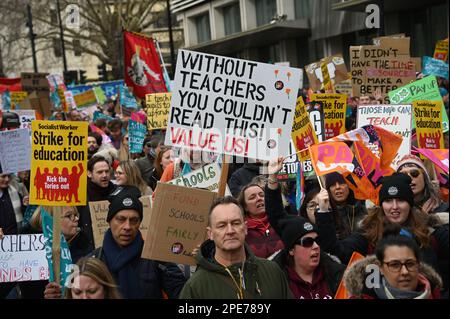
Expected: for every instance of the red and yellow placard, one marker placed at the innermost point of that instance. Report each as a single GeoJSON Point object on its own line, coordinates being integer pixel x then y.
{"type": "Point", "coordinates": [302, 132]}
{"type": "Point", "coordinates": [334, 108]}
{"type": "Point", "coordinates": [429, 129]}
{"type": "Point", "coordinates": [58, 163]}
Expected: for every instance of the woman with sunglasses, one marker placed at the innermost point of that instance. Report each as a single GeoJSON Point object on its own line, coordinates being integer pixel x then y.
{"type": "Point", "coordinates": [396, 271]}
{"type": "Point", "coordinates": [426, 195]}
{"type": "Point", "coordinates": [311, 274]}
{"type": "Point", "coordinates": [396, 207]}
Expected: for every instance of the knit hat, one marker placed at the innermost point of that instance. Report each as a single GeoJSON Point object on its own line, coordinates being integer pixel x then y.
{"type": "Point", "coordinates": [333, 178]}
{"type": "Point", "coordinates": [125, 197]}
{"type": "Point", "coordinates": [294, 228]}
{"type": "Point", "coordinates": [412, 159]}
{"type": "Point", "coordinates": [396, 186]}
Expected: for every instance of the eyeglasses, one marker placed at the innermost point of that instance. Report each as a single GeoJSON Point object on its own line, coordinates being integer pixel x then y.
{"type": "Point", "coordinates": [396, 265]}
{"type": "Point", "coordinates": [413, 173]}
{"type": "Point", "coordinates": [308, 242]}
{"type": "Point", "coordinates": [72, 217]}
{"type": "Point", "coordinates": [312, 205]}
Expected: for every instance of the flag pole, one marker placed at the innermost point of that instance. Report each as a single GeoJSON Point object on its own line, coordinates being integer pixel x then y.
{"type": "Point", "coordinates": [164, 65]}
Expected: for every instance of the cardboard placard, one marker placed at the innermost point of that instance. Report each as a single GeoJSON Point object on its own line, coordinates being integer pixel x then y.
{"type": "Point", "coordinates": [58, 163]}
{"type": "Point", "coordinates": [22, 258]}
{"type": "Point", "coordinates": [394, 118]}
{"type": "Point", "coordinates": [35, 82]}
{"type": "Point", "coordinates": [99, 212]}
{"type": "Point", "coordinates": [336, 69]}
{"type": "Point", "coordinates": [177, 224]}
{"type": "Point", "coordinates": [15, 150]}
{"type": "Point", "coordinates": [232, 106]}
{"type": "Point", "coordinates": [157, 107]}
{"type": "Point", "coordinates": [383, 67]}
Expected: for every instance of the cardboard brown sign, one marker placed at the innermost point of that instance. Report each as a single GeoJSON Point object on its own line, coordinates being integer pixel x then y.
{"type": "Point", "coordinates": [35, 82]}
{"type": "Point", "coordinates": [177, 223]}
{"type": "Point", "coordinates": [99, 212]}
{"type": "Point", "coordinates": [382, 67]}
{"type": "Point", "coordinates": [336, 69]}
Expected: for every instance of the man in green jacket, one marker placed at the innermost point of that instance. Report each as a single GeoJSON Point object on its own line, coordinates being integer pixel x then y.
{"type": "Point", "coordinates": [226, 266]}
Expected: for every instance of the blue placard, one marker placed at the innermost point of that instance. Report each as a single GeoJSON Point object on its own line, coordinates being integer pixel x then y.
{"type": "Point", "coordinates": [436, 67]}
{"type": "Point", "coordinates": [136, 135]}
{"type": "Point", "coordinates": [126, 98]}
{"type": "Point", "coordinates": [110, 88]}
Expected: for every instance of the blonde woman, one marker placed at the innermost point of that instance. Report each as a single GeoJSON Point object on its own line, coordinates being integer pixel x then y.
{"type": "Point", "coordinates": [127, 173]}
{"type": "Point", "coordinates": [124, 150]}
{"type": "Point", "coordinates": [93, 281]}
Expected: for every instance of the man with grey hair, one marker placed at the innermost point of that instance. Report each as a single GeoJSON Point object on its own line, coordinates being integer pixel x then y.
{"type": "Point", "coordinates": [227, 269]}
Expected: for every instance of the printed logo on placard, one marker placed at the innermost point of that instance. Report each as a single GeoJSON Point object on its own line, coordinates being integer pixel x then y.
{"type": "Point", "coordinates": [177, 248]}
{"type": "Point", "coordinates": [279, 85]}
{"type": "Point", "coordinates": [271, 143]}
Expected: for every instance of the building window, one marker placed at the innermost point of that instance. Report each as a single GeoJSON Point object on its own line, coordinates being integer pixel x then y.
{"type": "Point", "coordinates": [232, 18]}
{"type": "Point", "coordinates": [76, 47]}
{"type": "Point", "coordinates": [303, 9]}
{"type": "Point", "coordinates": [265, 11]}
{"type": "Point", "coordinates": [203, 28]}
{"type": "Point", "coordinates": [57, 47]}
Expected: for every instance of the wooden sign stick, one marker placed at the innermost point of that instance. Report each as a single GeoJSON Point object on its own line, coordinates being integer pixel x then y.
{"type": "Point", "coordinates": [223, 175]}
{"type": "Point", "coordinates": [56, 244]}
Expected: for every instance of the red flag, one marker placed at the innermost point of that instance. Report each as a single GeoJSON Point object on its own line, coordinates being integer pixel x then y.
{"type": "Point", "coordinates": [142, 69]}
{"type": "Point", "coordinates": [10, 84]}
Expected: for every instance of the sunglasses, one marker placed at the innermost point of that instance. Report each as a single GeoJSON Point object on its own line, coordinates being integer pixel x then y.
{"type": "Point", "coordinates": [413, 173]}
{"type": "Point", "coordinates": [308, 242]}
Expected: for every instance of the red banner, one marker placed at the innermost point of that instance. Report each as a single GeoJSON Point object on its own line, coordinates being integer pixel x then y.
{"type": "Point", "coordinates": [10, 84]}
{"type": "Point", "coordinates": [142, 69]}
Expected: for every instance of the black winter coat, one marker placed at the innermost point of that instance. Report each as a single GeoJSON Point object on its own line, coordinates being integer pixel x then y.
{"type": "Point", "coordinates": [243, 176]}
{"type": "Point", "coordinates": [155, 277]}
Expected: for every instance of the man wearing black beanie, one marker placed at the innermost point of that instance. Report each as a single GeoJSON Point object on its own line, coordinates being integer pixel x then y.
{"type": "Point", "coordinates": [137, 278]}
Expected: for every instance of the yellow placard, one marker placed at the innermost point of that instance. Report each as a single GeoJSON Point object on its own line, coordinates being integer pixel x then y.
{"type": "Point", "coordinates": [58, 163]}
{"type": "Point", "coordinates": [441, 50]}
{"type": "Point", "coordinates": [17, 97]}
{"type": "Point", "coordinates": [302, 133]}
{"type": "Point", "coordinates": [334, 109]}
{"type": "Point", "coordinates": [429, 130]}
{"type": "Point", "coordinates": [85, 99]}
{"type": "Point", "coordinates": [327, 85]}
{"type": "Point", "coordinates": [157, 108]}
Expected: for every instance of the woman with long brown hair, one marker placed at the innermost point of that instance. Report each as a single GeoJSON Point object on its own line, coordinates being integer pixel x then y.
{"type": "Point", "coordinates": [127, 174]}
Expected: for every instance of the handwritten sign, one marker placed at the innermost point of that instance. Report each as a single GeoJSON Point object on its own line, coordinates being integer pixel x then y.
{"type": "Point", "coordinates": [207, 177]}
{"type": "Point", "coordinates": [15, 150]}
{"type": "Point", "coordinates": [157, 108]}
{"type": "Point", "coordinates": [381, 67]}
{"type": "Point", "coordinates": [232, 106]}
{"type": "Point", "coordinates": [17, 97]}
{"type": "Point", "coordinates": [99, 212]}
{"type": "Point", "coordinates": [177, 223]}
{"type": "Point", "coordinates": [35, 82]}
{"type": "Point", "coordinates": [58, 163]}
{"type": "Point", "coordinates": [394, 118]}
{"type": "Point", "coordinates": [22, 258]}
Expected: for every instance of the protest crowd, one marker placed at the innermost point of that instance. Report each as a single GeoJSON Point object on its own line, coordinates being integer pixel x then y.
{"type": "Point", "coordinates": [234, 185]}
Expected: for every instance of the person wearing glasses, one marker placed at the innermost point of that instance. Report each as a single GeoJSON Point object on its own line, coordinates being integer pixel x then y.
{"type": "Point", "coordinates": [396, 207]}
{"type": "Point", "coordinates": [426, 195]}
{"type": "Point", "coordinates": [396, 271]}
{"type": "Point", "coordinates": [136, 277]}
{"type": "Point", "coordinates": [311, 274]}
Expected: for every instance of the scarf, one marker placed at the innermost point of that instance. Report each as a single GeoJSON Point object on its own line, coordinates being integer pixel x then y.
{"type": "Point", "coordinates": [121, 262]}
{"type": "Point", "coordinates": [386, 291]}
{"type": "Point", "coordinates": [260, 224]}
{"type": "Point", "coordinates": [96, 192]}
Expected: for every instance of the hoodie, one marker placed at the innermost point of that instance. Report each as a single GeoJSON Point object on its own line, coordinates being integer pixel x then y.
{"type": "Point", "coordinates": [261, 278]}
{"type": "Point", "coordinates": [356, 275]}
